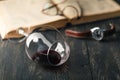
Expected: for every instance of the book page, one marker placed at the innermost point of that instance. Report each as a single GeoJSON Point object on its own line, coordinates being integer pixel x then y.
{"type": "Point", "coordinates": [23, 13]}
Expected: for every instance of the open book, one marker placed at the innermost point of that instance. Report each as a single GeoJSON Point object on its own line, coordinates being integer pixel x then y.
{"type": "Point", "coordinates": [31, 14]}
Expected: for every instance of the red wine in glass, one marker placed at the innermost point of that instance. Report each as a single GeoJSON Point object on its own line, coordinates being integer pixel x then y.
{"type": "Point", "coordinates": [53, 57]}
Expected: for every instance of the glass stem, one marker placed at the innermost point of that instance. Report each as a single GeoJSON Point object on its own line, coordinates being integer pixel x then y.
{"type": "Point", "coordinates": [22, 32]}
{"type": "Point", "coordinates": [35, 37]}
{"type": "Point", "coordinates": [48, 43]}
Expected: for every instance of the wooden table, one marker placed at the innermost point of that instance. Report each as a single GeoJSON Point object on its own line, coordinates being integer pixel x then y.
{"type": "Point", "coordinates": [89, 59]}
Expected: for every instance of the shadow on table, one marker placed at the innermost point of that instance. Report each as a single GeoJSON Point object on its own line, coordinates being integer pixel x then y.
{"type": "Point", "coordinates": [113, 38]}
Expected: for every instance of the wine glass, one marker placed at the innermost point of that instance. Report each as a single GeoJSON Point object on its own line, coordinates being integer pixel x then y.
{"type": "Point", "coordinates": [47, 46]}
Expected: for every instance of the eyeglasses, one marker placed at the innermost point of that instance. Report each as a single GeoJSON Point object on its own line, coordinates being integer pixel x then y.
{"type": "Point", "coordinates": [70, 11]}
{"type": "Point", "coordinates": [46, 46]}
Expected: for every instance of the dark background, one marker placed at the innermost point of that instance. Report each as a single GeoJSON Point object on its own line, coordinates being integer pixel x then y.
{"type": "Point", "coordinates": [89, 59]}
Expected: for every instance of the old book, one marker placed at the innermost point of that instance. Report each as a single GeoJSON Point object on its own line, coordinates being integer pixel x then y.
{"type": "Point", "coordinates": [29, 15]}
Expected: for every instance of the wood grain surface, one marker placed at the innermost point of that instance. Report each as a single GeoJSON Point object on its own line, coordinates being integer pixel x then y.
{"type": "Point", "coordinates": [89, 59]}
